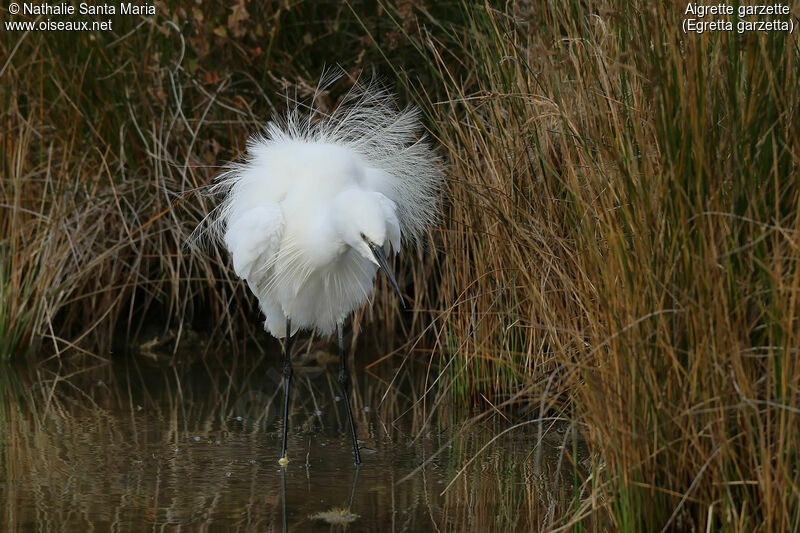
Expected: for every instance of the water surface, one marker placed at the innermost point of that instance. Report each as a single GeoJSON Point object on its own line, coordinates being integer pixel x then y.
{"type": "Point", "coordinates": [138, 447]}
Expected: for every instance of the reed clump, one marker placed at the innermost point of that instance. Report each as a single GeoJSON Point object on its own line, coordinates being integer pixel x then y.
{"type": "Point", "coordinates": [622, 236]}
{"type": "Point", "coordinates": [622, 249]}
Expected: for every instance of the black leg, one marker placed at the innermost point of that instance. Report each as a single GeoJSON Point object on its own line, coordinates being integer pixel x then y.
{"type": "Point", "coordinates": [344, 379]}
{"type": "Point", "coordinates": [287, 383]}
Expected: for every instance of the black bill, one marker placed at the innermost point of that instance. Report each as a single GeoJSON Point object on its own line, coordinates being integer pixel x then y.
{"type": "Point", "coordinates": [380, 256]}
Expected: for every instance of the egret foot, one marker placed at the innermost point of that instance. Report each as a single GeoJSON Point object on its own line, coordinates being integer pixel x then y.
{"type": "Point", "coordinates": [283, 461]}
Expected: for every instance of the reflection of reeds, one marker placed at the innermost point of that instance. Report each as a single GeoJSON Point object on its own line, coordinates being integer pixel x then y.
{"type": "Point", "coordinates": [121, 451]}
{"type": "Point", "coordinates": [501, 487]}
{"type": "Point", "coordinates": [87, 456]}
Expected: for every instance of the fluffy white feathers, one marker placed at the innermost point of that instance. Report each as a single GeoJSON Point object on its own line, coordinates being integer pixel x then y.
{"type": "Point", "coordinates": [253, 238]}
{"type": "Point", "coordinates": [298, 214]}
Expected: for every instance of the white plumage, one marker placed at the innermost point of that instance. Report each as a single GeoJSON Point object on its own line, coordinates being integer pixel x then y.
{"type": "Point", "coordinates": [312, 212]}
{"type": "Point", "coordinates": [303, 215]}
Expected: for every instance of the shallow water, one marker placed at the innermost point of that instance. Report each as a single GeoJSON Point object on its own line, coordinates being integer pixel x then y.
{"type": "Point", "coordinates": [127, 447]}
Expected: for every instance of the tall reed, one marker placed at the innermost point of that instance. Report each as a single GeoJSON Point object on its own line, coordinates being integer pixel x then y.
{"type": "Point", "coordinates": [622, 248]}
{"type": "Point", "coordinates": [622, 237]}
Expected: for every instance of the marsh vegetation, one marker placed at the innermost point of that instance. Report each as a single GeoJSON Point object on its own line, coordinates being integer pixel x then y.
{"type": "Point", "coordinates": [620, 250]}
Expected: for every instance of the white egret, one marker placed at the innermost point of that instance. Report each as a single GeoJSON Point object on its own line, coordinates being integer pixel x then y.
{"type": "Point", "coordinates": [312, 212]}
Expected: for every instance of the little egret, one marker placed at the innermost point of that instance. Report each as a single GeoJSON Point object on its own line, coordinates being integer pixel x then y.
{"type": "Point", "coordinates": [316, 206]}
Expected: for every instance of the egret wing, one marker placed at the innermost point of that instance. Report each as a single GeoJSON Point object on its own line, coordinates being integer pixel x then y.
{"type": "Point", "coordinates": [253, 239]}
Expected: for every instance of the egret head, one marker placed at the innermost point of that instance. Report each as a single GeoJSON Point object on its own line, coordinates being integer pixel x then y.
{"type": "Point", "coordinates": [366, 223]}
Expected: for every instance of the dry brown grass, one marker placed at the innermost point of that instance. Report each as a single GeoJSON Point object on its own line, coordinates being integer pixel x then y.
{"type": "Point", "coordinates": [106, 140]}
{"type": "Point", "coordinates": [621, 248]}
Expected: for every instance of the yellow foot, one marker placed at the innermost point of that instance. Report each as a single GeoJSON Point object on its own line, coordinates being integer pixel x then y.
{"type": "Point", "coordinates": [283, 461]}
